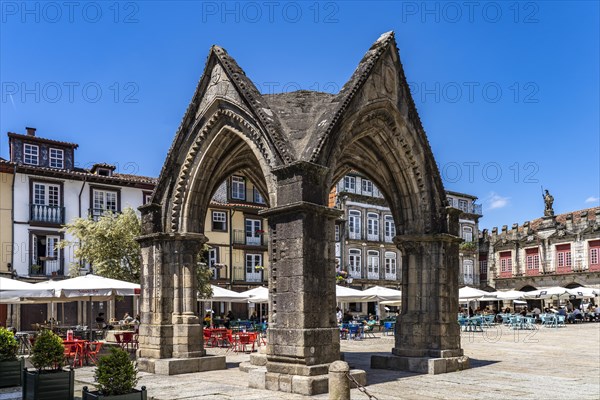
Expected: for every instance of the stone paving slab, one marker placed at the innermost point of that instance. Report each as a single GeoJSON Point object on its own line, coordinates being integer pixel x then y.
{"type": "Point", "coordinates": [548, 363]}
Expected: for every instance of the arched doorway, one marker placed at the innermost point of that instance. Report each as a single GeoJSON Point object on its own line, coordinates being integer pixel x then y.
{"type": "Point", "coordinates": [295, 147]}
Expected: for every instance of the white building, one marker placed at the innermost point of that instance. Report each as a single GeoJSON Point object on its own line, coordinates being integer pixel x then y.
{"type": "Point", "coordinates": [49, 191]}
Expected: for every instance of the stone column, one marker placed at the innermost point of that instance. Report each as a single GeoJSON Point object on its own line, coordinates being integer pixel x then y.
{"type": "Point", "coordinates": [170, 326]}
{"type": "Point", "coordinates": [427, 333]}
{"type": "Point", "coordinates": [303, 337]}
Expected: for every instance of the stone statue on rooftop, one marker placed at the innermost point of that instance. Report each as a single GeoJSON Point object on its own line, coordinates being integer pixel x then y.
{"type": "Point", "coordinates": [548, 200]}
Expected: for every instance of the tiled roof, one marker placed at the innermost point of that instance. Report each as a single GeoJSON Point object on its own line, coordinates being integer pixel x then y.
{"type": "Point", "coordinates": [86, 174]}
{"type": "Point", "coordinates": [40, 139]}
{"type": "Point", "coordinates": [562, 218]}
{"type": "Point", "coordinates": [244, 205]}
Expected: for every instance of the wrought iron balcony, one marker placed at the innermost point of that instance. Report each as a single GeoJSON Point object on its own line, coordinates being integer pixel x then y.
{"type": "Point", "coordinates": [241, 237]}
{"type": "Point", "coordinates": [47, 214]}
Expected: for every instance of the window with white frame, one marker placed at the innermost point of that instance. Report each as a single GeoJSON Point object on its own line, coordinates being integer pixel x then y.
{"type": "Point", "coordinates": [463, 205]}
{"type": "Point", "coordinates": [367, 187]}
{"type": "Point", "coordinates": [354, 262]}
{"type": "Point", "coordinates": [467, 233]}
{"type": "Point", "coordinates": [31, 154]}
{"type": "Point", "coordinates": [390, 228]}
{"type": "Point", "coordinates": [372, 226]}
{"type": "Point", "coordinates": [506, 261]}
{"type": "Point", "coordinates": [253, 261]}
{"type": "Point", "coordinates": [219, 221]}
{"type": "Point", "coordinates": [337, 233]}
{"type": "Point", "coordinates": [450, 201]}
{"type": "Point", "coordinates": [594, 247]}
{"type": "Point", "coordinates": [354, 224]}
{"type": "Point", "coordinates": [238, 188]}
{"type": "Point", "coordinates": [563, 255]}
{"type": "Point", "coordinates": [57, 158]}
{"type": "Point", "coordinates": [257, 197]}
{"type": "Point", "coordinates": [213, 259]}
{"type": "Point", "coordinates": [46, 194]}
{"type": "Point", "coordinates": [532, 259]}
{"type": "Point", "coordinates": [390, 263]}
{"type": "Point", "coordinates": [147, 198]}
{"type": "Point", "coordinates": [104, 201]}
{"type": "Point", "coordinates": [468, 271]}
{"type": "Point", "coordinates": [373, 264]}
{"type": "Point", "coordinates": [349, 183]}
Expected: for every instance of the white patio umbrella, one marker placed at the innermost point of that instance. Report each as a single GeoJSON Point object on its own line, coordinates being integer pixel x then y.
{"type": "Point", "coordinates": [221, 294]}
{"type": "Point", "coordinates": [584, 292]}
{"type": "Point", "coordinates": [89, 288]}
{"type": "Point", "coordinates": [508, 295]}
{"type": "Point", "coordinates": [383, 293]}
{"type": "Point", "coordinates": [257, 295]}
{"type": "Point", "coordinates": [349, 295]}
{"type": "Point", "coordinates": [15, 291]}
{"type": "Point", "coordinates": [469, 293]}
{"type": "Point", "coordinates": [547, 293]}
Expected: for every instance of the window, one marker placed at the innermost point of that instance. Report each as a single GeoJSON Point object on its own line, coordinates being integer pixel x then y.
{"type": "Point", "coordinates": [563, 255]}
{"type": "Point", "coordinates": [532, 259]}
{"type": "Point", "coordinates": [367, 187]}
{"type": "Point", "coordinates": [594, 263]}
{"type": "Point", "coordinates": [373, 264]}
{"type": "Point", "coordinates": [45, 255]}
{"type": "Point", "coordinates": [219, 221]}
{"type": "Point", "coordinates": [238, 188]}
{"type": "Point", "coordinates": [254, 232]}
{"type": "Point", "coordinates": [467, 233]}
{"type": "Point", "coordinates": [450, 201]}
{"type": "Point", "coordinates": [257, 197]}
{"type": "Point", "coordinates": [372, 226]}
{"type": "Point", "coordinates": [213, 258]}
{"type": "Point", "coordinates": [390, 263]}
{"type": "Point", "coordinates": [390, 228]}
{"type": "Point", "coordinates": [463, 205]}
{"type": "Point", "coordinates": [354, 225]}
{"type": "Point", "coordinates": [349, 183]}
{"type": "Point", "coordinates": [337, 233]}
{"type": "Point", "coordinates": [147, 197]}
{"type": "Point", "coordinates": [57, 158]}
{"type": "Point", "coordinates": [506, 262]}
{"type": "Point", "coordinates": [46, 194]}
{"type": "Point", "coordinates": [483, 267]}
{"type": "Point", "coordinates": [31, 154]}
{"type": "Point", "coordinates": [468, 271]}
{"type": "Point", "coordinates": [354, 261]}
{"type": "Point", "coordinates": [252, 273]}
{"type": "Point", "coordinates": [103, 201]}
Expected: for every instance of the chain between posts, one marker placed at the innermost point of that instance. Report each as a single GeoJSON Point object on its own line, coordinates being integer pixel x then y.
{"type": "Point", "coordinates": [360, 387]}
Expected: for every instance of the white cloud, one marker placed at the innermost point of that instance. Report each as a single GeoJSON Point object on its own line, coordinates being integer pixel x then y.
{"type": "Point", "coordinates": [494, 201]}
{"type": "Point", "coordinates": [592, 199]}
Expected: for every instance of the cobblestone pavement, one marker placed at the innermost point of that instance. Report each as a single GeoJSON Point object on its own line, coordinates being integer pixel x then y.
{"type": "Point", "coordinates": [547, 363]}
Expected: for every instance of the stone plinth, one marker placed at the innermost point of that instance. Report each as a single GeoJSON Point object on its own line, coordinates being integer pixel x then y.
{"type": "Point", "coordinates": [422, 365]}
{"type": "Point", "coordinates": [176, 366]}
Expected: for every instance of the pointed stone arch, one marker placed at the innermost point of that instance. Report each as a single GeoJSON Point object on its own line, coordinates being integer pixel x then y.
{"type": "Point", "coordinates": [295, 147]}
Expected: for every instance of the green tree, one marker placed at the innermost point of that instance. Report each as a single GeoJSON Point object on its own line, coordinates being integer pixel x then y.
{"type": "Point", "coordinates": [108, 244]}
{"type": "Point", "coordinates": [204, 274]}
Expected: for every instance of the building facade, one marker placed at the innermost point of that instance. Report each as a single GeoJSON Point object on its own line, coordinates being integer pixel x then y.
{"type": "Point", "coordinates": [561, 250]}
{"type": "Point", "coordinates": [364, 236]}
{"type": "Point", "coordinates": [468, 220]}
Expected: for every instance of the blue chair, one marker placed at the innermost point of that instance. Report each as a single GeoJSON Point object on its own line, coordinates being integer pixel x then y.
{"type": "Point", "coordinates": [388, 326]}
{"type": "Point", "coordinates": [354, 332]}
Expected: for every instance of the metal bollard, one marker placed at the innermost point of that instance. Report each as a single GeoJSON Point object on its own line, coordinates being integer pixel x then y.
{"type": "Point", "coordinates": [339, 385]}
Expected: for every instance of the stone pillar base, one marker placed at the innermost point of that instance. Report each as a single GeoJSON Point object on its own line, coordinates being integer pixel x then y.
{"type": "Point", "coordinates": [423, 365]}
{"type": "Point", "coordinates": [259, 378]}
{"type": "Point", "coordinates": [176, 366]}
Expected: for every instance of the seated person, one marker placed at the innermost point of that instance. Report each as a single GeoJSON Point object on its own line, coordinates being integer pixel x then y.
{"type": "Point", "coordinates": [127, 318]}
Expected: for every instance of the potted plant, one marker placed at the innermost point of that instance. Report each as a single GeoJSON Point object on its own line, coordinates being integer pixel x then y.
{"type": "Point", "coordinates": [116, 375]}
{"type": "Point", "coordinates": [36, 269]}
{"type": "Point", "coordinates": [10, 366]}
{"type": "Point", "coordinates": [48, 380]}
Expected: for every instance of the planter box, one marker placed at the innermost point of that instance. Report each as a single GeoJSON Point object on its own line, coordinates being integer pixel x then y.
{"type": "Point", "coordinates": [95, 395]}
{"type": "Point", "coordinates": [11, 373]}
{"type": "Point", "coordinates": [50, 385]}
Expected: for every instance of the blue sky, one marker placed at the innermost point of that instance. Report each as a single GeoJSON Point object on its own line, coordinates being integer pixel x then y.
{"type": "Point", "coordinates": [508, 92]}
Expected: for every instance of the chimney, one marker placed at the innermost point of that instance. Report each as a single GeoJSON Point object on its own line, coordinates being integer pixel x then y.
{"type": "Point", "coordinates": [30, 131]}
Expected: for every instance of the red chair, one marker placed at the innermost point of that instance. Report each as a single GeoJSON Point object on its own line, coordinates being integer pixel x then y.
{"type": "Point", "coordinates": [92, 351]}
{"type": "Point", "coordinates": [119, 338]}
{"type": "Point", "coordinates": [71, 350]}
{"type": "Point", "coordinates": [127, 340]}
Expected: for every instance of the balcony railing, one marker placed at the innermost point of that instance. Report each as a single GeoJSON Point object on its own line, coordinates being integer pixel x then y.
{"type": "Point", "coordinates": [47, 267]}
{"type": "Point", "coordinates": [354, 235]}
{"type": "Point", "coordinates": [47, 214]}
{"type": "Point", "coordinates": [239, 275]}
{"type": "Point", "coordinates": [240, 237]}
{"type": "Point", "coordinates": [96, 213]}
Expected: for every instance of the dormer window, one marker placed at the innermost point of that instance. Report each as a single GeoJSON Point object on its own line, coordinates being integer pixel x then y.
{"type": "Point", "coordinates": [103, 172]}
{"type": "Point", "coordinates": [31, 154]}
{"type": "Point", "coordinates": [103, 169]}
{"type": "Point", "coordinates": [57, 158]}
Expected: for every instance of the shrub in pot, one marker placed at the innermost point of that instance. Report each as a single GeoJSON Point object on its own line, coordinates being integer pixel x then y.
{"type": "Point", "coordinates": [48, 381]}
{"type": "Point", "coordinates": [116, 375]}
{"type": "Point", "coordinates": [11, 367]}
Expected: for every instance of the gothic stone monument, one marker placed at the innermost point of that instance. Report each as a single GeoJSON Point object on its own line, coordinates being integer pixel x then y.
{"type": "Point", "coordinates": [295, 147]}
